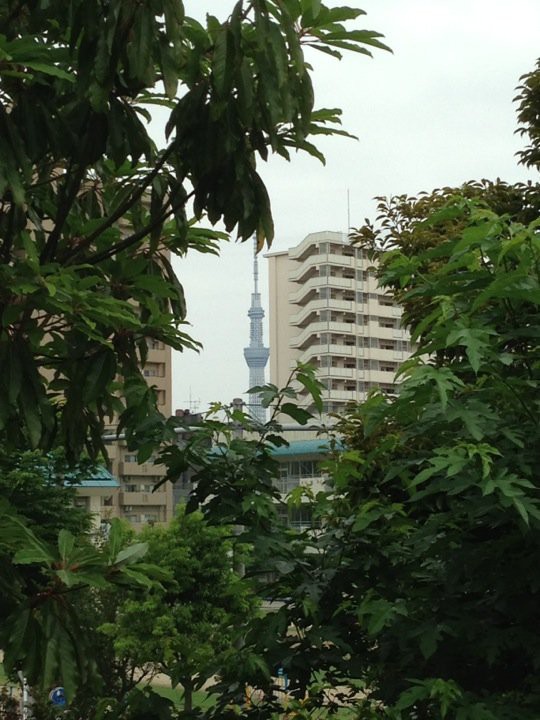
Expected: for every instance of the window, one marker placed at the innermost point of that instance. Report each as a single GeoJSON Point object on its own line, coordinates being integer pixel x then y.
{"type": "Point", "coordinates": [130, 457]}
{"type": "Point", "coordinates": [285, 484]}
{"type": "Point", "coordinates": [299, 518]}
{"type": "Point", "coordinates": [107, 501]}
{"type": "Point", "coordinates": [150, 517]}
{"type": "Point", "coordinates": [154, 370]}
{"type": "Point", "coordinates": [325, 360]}
{"type": "Point", "coordinates": [299, 469]}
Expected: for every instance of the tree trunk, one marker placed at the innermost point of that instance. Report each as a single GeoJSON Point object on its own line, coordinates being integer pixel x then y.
{"type": "Point", "coordinates": [188, 694]}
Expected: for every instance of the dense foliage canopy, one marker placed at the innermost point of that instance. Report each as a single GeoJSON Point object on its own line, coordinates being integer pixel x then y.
{"type": "Point", "coordinates": [417, 599]}
{"type": "Point", "coordinates": [188, 627]}
{"type": "Point", "coordinates": [92, 212]}
{"type": "Point", "coordinates": [91, 209]}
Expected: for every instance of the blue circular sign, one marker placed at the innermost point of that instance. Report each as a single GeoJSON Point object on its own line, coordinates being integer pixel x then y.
{"type": "Point", "coordinates": [58, 696]}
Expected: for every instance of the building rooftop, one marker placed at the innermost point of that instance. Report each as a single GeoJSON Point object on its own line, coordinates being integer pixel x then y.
{"type": "Point", "coordinates": [100, 477]}
{"type": "Point", "coordinates": [318, 446]}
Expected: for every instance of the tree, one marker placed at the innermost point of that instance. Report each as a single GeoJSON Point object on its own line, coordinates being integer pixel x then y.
{"type": "Point", "coordinates": [420, 589]}
{"type": "Point", "coordinates": [186, 627]}
{"type": "Point", "coordinates": [437, 497]}
{"type": "Point", "coordinates": [91, 209]}
{"type": "Point", "coordinates": [42, 489]}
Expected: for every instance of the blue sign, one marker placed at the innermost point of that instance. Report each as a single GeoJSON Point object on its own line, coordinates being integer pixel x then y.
{"type": "Point", "coordinates": [58, 696]}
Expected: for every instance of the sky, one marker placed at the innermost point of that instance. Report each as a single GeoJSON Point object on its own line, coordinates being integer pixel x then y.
{"type": "Point", "coordinates": [437, 111]}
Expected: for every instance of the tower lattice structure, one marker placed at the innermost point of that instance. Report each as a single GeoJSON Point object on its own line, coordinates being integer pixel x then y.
{"type": "Point", "coordinates": [256, 354]}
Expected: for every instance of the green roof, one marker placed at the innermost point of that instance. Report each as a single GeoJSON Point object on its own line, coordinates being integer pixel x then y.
{"type": "Point", "coordinates": [99, 477]}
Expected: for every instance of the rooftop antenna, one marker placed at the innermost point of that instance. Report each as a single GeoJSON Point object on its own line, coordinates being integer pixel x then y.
{"type": "Point", "coordinates": [192, 403]}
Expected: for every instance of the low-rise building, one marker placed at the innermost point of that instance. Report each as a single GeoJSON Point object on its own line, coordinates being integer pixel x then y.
{"type": "Point", "coordinates": [99, 495]}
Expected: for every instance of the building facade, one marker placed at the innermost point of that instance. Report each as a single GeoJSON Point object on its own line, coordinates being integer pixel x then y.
{"type": "Point", "coordinates": [98, 495]}
{"type": "Point", "coordinates": [135, 500]}
{"type": "Point", "coordinates": [326, 309]}
{"type": "Point", "coordinates": [300, 466]}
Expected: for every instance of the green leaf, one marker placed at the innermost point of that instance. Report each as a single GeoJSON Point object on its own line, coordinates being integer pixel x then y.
{"type": "Point", "coordinates": [66, 544]}
{"type": "Point", "coordinates": [296, 413]}
{"type": "Point", "coordinates": [475, 342]}
{"type": "Point", "coordinates": [50, 70]}
{"type": "Point", "coordinates": [131, 554]}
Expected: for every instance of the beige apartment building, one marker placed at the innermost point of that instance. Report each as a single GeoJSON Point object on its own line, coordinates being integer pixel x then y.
{"type": "Point", "coordinates": [326, 309]}
{"type": "Point", "coordinates": [134, 499]}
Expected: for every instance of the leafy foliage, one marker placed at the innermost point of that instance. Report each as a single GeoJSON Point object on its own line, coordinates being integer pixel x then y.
{"type": "Point", "coordinates": [528, 99]}
{"type": "Point", "coordinates": [186, 627]}
{"type": "Point", "coordinates": [91, 213]}
{"type": "Point", "coordinates": [42, 634]}
{"type": "Point", "coordinates": [91, 210]}
{"type": "Point", "coordinates": [42, 490]}
{"type": "Point", "coordinates": [440, 494]}
{"type": "Point", "coordinates": [417, 599]}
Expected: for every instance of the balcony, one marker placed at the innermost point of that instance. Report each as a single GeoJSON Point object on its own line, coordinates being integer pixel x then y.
{"type": "Point", "coordinates": [313, 240]}
{"type": "Point", "coordinates": [344, 395]}
{"type": "Point", "coordinates": [308, 334]}
{"type": "Point", "coordinates": [314, 261]}
{"type": "Point", "coordinates": [337, 372]}
{"type": "Point", "coordinates": [147, 499]}
{"type": "Point", "coordinates": [321, 304]}
{"type": "Point", "coordinates": [147, 468]}
{"type": "Point", "coordinates": [320, 349]}
{"type": "Point", "coordinates": [320, 281]}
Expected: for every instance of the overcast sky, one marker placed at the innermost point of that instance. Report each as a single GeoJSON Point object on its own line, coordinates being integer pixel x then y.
{"type": "Point", "coordinates": [438, 111]}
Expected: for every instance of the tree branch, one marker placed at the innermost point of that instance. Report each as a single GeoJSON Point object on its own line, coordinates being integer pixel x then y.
{"type": "Point", "coordinates": [122, 209]}
{"type": "Point", "coordinates": [140, 234]}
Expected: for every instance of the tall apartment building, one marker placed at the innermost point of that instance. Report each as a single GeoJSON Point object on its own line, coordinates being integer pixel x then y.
{"type": "Point", "coordinates": [135, 500]}
{"type": "Point", "coordinates": [326, 309]}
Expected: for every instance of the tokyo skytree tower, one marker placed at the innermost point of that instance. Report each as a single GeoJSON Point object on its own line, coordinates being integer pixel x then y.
{"type": "Point", "coordinates": [256, 354]}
